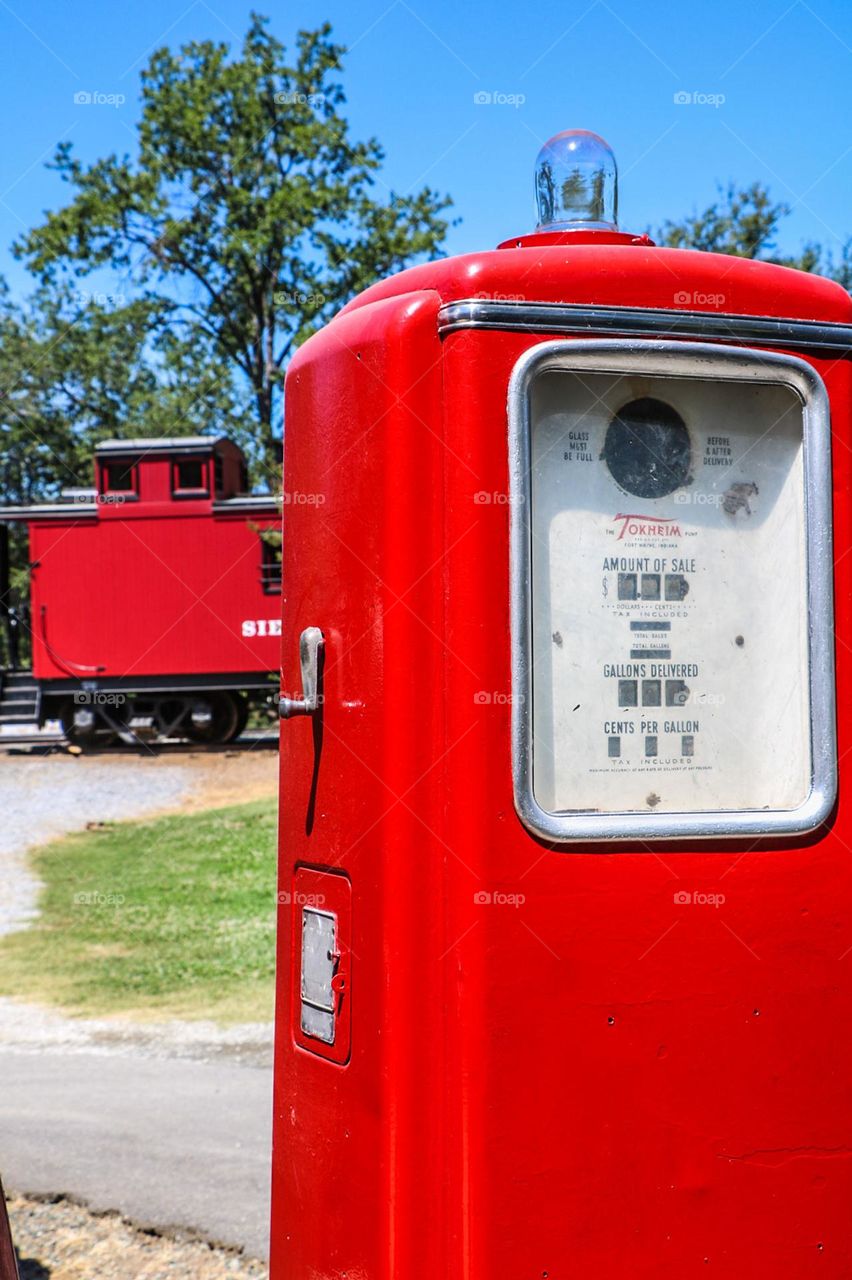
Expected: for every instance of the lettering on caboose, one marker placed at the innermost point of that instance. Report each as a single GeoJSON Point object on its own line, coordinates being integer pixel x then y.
{"type": "Point", "coordinates": [261, 627]}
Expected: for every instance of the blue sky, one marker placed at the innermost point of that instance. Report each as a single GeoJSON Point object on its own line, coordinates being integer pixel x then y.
{"type": "Point", "coordinates": [773, 83]}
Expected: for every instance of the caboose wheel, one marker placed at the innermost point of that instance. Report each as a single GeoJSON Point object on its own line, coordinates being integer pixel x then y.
{"type": "Point", "coordinates": [83, 726]}
{"type": "Point", "coordinates": [242, 716]}
{"type": "Point", "coordinates": [213, 717]}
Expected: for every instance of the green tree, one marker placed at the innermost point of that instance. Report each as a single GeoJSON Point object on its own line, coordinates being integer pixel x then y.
{"type": "Point", "coordinates": [745, 223]}
{"type": "Point", "coordinates": [248, 215]}
{"type": "Point", "coordinates": [76, 368]}
{"type": "Point", "coordinates": [38, 452]}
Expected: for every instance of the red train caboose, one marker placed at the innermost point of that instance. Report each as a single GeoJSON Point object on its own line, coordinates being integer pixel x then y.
{"type": "Point", "coordinates": [153, 598]}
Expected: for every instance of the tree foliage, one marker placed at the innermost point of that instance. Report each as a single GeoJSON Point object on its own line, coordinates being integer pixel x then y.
{"type": "Point", "coordinates": [245, 217]}
{"type": "Point", "coordinates": [745, 223]}
{"type": "Point", "coordinates": [75, 369]}
{"type": "Point", "coordinates": [248, 215]}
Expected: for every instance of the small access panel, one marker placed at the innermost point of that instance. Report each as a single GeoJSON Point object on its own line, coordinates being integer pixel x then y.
{"type": "Point", "coordinates": [321, 902]}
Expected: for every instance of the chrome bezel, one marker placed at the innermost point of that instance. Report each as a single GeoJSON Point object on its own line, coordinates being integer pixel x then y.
{"type": "Point", "coordinates": [678, 360]}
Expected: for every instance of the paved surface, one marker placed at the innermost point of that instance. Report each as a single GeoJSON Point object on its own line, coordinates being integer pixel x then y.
{"type": "Point", "coordinates": [166, 1123]}
{"type": "Point", "coordinates": [168, 1144]}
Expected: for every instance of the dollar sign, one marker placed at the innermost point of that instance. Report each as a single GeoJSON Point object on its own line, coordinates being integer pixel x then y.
{"type": "Point", "coordinates": [604, 587]}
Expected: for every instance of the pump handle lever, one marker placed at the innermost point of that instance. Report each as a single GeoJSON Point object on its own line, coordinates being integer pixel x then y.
{"type": "Point", "coordinates": [311, 646]}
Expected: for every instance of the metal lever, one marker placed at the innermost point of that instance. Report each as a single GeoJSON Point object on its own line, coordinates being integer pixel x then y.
{"type": "Point", "coordinates": [311, 643]}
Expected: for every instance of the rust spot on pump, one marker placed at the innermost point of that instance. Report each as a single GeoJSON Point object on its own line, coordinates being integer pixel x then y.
{"type": "Point", "coordinates": [653, 800]}
{"type": "Point", "coordinates": [736, 497]}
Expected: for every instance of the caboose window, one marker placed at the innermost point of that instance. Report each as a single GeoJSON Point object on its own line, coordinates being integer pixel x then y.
{"type": "Point", "coordinates": [189, 475]}
{"type": "Point", "coordinates": [118, 477]}
{"type": "Point", "coordinates": [270, 568]}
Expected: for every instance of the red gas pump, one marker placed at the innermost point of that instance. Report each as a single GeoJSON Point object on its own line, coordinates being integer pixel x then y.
{"type": "Point", "coordinates": [565, 956]}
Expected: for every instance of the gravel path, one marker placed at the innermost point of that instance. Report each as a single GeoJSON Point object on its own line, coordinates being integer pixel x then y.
{"type": "Point", "coordinates": [65, 1242]}
{"type": "Point", "coordinates": [30, 1028]}
{"type": "Point", "coordinates": [42, 797]}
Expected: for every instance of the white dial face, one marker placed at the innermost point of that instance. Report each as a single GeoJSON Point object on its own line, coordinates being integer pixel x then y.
{"type": "Point", "coordinates": [668, 607]}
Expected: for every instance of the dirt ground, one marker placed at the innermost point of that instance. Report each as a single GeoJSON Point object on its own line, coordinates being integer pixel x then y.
{"type": "Point", "coordinates": [63, 1241]}
{"type": "Point", "coordinates": [246, 771]}
{"type": "Point", "coordinates": [231, 777]}
{"type": "Point", "coordinates": [216, 777]}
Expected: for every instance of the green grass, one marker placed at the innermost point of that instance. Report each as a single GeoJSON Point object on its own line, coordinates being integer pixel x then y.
{"type": "Point", "coordinates": [170, 917]}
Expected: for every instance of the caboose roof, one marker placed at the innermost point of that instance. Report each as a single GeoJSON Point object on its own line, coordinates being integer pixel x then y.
{"type": "Point", "coordinates": [174, 444]}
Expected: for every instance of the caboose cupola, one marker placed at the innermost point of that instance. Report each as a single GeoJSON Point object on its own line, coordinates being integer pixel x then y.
{"type": "Point", "coordinates": [189, 469]}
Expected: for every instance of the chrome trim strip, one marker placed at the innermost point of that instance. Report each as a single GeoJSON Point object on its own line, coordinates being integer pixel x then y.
{"type": "Point", "coordinates": [249, 503]}
{"type": "Point", "coordinates": [50, 511]}
{"type": "Point", "coordinates": [647, 322]}
{"type": "Point", "coordinates": [152, 445]}
{"type": "Point", "coordinates": [672, 359]}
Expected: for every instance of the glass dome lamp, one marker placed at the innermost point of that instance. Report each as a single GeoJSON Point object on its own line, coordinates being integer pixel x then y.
{"type": "Point", "coordinates": [576, 183]}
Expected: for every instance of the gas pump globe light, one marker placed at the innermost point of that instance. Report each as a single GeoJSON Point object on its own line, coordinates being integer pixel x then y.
{"type": "Point", "coordinates": [576, 183]}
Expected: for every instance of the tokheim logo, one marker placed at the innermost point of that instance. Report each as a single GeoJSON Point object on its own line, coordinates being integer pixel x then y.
{"type": "Point", "coordinates": [646, 527]}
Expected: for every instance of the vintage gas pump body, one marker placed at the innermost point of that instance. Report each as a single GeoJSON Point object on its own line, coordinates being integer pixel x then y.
{"type": "Point", "coordinates": [565, 956]}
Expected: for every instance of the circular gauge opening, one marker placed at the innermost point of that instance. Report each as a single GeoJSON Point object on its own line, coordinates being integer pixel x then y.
{"type": "Point", "coordinates": [647, 448]}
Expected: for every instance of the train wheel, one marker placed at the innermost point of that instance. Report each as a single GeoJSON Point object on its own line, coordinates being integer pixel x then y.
{"type": "Point", "coordinates": [242, 717]}
{"type": "Point", "coordinates": [213, 717]}
{"type": "Point", "coordinates": [83, 726]}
